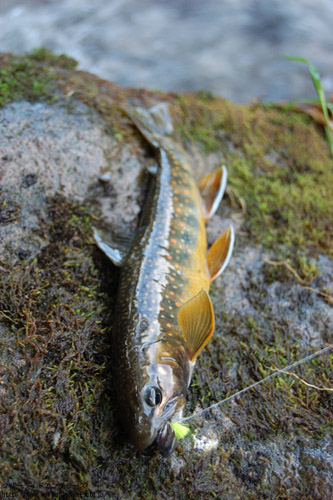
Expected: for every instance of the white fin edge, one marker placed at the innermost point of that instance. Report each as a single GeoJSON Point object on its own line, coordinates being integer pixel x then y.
{"type": "Point", "coordinates": [230, 250]}
{"type": "Point", "coordinates": [114, 254]}
{"type": "Point", "coordinates": [220, 192]}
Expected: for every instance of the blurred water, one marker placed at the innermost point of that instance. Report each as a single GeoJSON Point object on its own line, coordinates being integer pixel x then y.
{"type": "Point", "coordinates": [234, 48]}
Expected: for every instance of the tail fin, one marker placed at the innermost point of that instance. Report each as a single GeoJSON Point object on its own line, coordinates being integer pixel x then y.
{"type": "Point", "coordinates": [152, 123]}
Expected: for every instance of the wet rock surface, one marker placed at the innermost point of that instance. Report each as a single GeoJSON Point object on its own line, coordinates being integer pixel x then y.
{"type": "Point", "coordinates": [65, 167]}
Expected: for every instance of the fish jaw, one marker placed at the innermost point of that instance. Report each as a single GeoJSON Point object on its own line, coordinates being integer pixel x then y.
{"type": "Point", "coordinates": [166, 440]}
{"type": "Point", "coordinates": [142, 436]}
{"type": "Point", "coordinates": [155, 427]}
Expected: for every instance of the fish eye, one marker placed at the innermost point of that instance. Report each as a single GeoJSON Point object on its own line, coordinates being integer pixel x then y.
{"type": "Point", "coordinates": [153, 396]}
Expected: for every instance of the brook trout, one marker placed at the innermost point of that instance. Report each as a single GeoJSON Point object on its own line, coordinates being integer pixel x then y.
{"type": "Point", "coordinates": [164, 316]}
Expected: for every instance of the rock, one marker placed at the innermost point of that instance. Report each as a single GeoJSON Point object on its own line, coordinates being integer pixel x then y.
{"type": "Point", "coordinates": [49, 150]}
{"type": "Point", "coordinates": [71, 160]}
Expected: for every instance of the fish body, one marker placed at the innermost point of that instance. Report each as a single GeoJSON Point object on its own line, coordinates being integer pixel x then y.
{"type": "Point", "coordinates": [163, 315]}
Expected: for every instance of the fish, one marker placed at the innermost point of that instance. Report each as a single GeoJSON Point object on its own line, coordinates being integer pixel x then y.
{"type": "Point", "coordinates": [163, 315]}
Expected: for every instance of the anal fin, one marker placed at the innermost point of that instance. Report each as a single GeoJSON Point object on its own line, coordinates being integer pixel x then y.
{"type": "Point", "coordinates": [196, 322]}
{"type": "Point", "coordinates": [220, 252]}
{"type": "Point", "coordinates": [212, 187]}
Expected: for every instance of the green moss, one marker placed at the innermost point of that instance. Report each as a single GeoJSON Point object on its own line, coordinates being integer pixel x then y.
{"type": "Point", "coordinates": [46, 57]}
{"type": "Point", "coordinates": [245, 349]}
{"type": "Point", "coordinates": [257, 350]}
{"type": "Point", "coordinates": [278, 165]}
{"type": "Point", "coordinates": [23, 78]}
{"type": "Point", "coordinates": [32, 77]}
{"type": "Point", "coordinates": [59, 318]}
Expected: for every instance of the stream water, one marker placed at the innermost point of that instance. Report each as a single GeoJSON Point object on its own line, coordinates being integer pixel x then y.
{"type": "Point", "coordinates": [234, 48]}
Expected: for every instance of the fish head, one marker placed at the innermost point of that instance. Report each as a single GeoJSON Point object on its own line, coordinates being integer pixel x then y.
{"type": "Point", "coordinates": [161, 397]}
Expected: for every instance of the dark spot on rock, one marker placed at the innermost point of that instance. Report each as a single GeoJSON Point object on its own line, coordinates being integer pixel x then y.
{"type": "Point", "coordinates": [23, 253]}
{"type": "Point", "coordinates": [28, 180]}
{"type": "Point", "coordinates": [101, 189]}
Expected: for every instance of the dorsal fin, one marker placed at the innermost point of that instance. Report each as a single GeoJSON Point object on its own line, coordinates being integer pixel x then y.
{"type": "Point", "coordinates": [220, 252]}
{"type": "Point", "coordinates": [196, 322]}
{"type": "Point", "coordinates": [212, 187]}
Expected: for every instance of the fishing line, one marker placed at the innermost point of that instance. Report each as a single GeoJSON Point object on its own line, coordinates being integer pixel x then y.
{"type": "Point", "coordinates": [269, 377]}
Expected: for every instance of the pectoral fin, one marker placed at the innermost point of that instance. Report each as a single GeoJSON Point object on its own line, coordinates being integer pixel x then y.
{"type": "Point", "coordinates": [212, 187]}
{"type": "Point", "coordinates": [115, 251]}
{"type": "Point", "coordinates": [196, 322]}
{"type": "Point", "coordinates": [152, 168]}
{"type": "Point", "coordinates": [220, 252]}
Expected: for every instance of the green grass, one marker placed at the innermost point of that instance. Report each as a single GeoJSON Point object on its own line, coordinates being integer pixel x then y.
{"type": "Point", "coordinates": [321, 95]}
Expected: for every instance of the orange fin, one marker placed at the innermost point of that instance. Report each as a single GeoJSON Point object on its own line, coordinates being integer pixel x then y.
{"type": "Point", "coordinates": [196, 322]}
{"type": "Point", "coordinates": [220, 252]}
{"type": "Point", "coordinates": [212, 187]}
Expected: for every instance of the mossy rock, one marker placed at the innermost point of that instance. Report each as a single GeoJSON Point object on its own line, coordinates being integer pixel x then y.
{"type": "Point", "coordinates": [71, 160]}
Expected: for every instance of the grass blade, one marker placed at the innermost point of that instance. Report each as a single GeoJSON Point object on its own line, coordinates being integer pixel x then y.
{"type": "Point", "coordinates": [322, 99]}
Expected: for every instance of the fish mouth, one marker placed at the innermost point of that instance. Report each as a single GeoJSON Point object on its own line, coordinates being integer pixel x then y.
{"type": "Point", "coordinates": [157, 429]}
{"type": "Point", "coordinates": [166, 439]}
